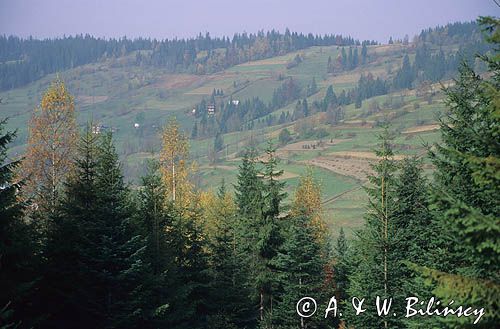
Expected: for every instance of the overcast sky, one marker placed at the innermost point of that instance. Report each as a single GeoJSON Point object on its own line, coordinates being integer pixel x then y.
{"type": "Point", "coordinates": [362, 19]}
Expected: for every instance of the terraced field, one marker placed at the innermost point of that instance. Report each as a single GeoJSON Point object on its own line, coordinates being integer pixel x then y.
{"type": "Point", "coordinates": [117, 93]}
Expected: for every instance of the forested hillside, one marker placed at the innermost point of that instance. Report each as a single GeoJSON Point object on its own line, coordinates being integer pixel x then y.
{"type": "Point", "coordinates": [26, 60]}
{"type": "Point", "coordinates": [215, 182]}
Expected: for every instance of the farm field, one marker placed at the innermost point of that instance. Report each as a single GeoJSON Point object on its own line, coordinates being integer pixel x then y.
{"type": "Point", "coordinates": [116, 93]}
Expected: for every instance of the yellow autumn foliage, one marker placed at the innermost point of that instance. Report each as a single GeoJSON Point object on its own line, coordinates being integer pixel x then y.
{"type": "Point", "coordinates": [217, 212]}
{"type": "Point", "coordinates": [51, 146]}
{"type": "Point", "coordinates": [307, 202]}
{"type": "Point", "coordinates": [175, 167]}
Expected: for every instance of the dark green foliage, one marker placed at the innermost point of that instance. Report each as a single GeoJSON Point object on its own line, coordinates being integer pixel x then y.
{"type": "Point", "coordinates": [405, 76]}
{"type": "Point", "coordinates": [194, 273]}
{"type": "Point", "coordinates": [300, 267]}
{"type": "Point", "coordinates": [218, 142]}
{"type": "Point", "coordinates": [26, 60]}
{"type": "Point", "coordinates": [249, 188]}
{"type": "Point", "coordinates": [231, 116]}
{"type": "Point", "coordinates": [194, 132]}
{"type": "Point", "coordinates": [330, 98]}
{"type": "Point", "coordinates": [17, 260]}
{"type": "Point", "coordinates": [91, 241]}
{"type": "Point", "coordinates": [467, 188]}
{"type": "Point", "coordinates": [341, 268]}
{"type": "Point", "coordinates": [378, 269]}
{"type": "Point", "coordinates": [312, 88]}
{"type": "Point", "coordinates": [364, 54]}
{"type": "Point", "coordinates": [434, 65]}
{"type": "Point", "coordinates": [229, 281]}
{"type": "Point", "coordinates": [161, 295]}
{"type": "Point", "coordinates": [418, 240]}
{"type": "Point", "coordinates": [72, 247]}
{"type": "Point", "coordinates": [284, 136]}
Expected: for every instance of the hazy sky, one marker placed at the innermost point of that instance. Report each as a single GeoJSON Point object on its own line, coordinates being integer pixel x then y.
{"type": "Point", "coordinates": [362, 19]}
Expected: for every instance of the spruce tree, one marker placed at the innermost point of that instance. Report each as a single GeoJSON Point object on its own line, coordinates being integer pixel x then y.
{"type": "Point", "coordinates": [68, 289]}
{"type": "Point", "coordinates": [364, 54]}
{"type": "Point", "coordinates": [341, 267]}
{"type": "Point", "coordinates": [120, 268]}
{"type": "Point", "coordinates": [418, 240]}
{"type": "Point", "coordinates": [229, 281]}
{"type": "Point", "coordinates": [378, 270]}
{"type": "Point", "coordinates": [300, 269]}
{"type": "Point", "coordinates": [162, 295]}
{"type": "Point", "coordinates": [269, 235]}
{"type": "Point", "coordinates": [16, 242]}
{"type": "Point", "coordinates": [249, 198]}
{"type": "Point", "coordinates": [467, 188]}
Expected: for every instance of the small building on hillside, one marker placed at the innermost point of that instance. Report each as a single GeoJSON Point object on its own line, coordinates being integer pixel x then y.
{"type": "Point", "coordinates": [211, 109]}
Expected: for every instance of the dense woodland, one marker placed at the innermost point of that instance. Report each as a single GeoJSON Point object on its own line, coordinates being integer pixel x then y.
{"type": "Point", "coordinates": [79, 248]}
{"type": "Point", "coordinates": [25, 60]}
{"type": "Point", "coordinates": [431, 64]}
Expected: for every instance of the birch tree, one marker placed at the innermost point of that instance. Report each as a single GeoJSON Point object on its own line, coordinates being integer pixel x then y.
{"type": "Point", "coordinates": [51, 146]}
{"type": "Point", "coordinates": [174, 165]}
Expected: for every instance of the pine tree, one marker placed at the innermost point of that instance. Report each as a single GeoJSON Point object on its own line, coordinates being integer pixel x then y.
{"type": "Point", "coordinates": [344, 60]}
{"type": "Point", "coordinates": [330, 98]}
{"type": "Point", "coordinates": [405, 76]}
{"type": "Point", "coordinates": [90, 241]}
{"type": "Point", "coordinates": [194, 272]}
{"type": "Point", "coordinates": [305, 108]}
{"type": "Point", "coordinates": [194, 132]}
{"type": "Point", "coordinates": [329, 65]}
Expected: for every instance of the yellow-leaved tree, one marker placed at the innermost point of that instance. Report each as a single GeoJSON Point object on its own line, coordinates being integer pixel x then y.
{"type": "Point", "coordinates": [175, 166]}
{"type": "Point", "coordinates": [51, 146]}
{"type": "Point", "coordinates": [219, 211]}
{"type": "Point", "coordinates": [307, 202]}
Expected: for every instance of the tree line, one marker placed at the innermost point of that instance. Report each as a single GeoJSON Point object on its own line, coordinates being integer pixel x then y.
{"type": "Point", "coordinates": [25, 60]}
